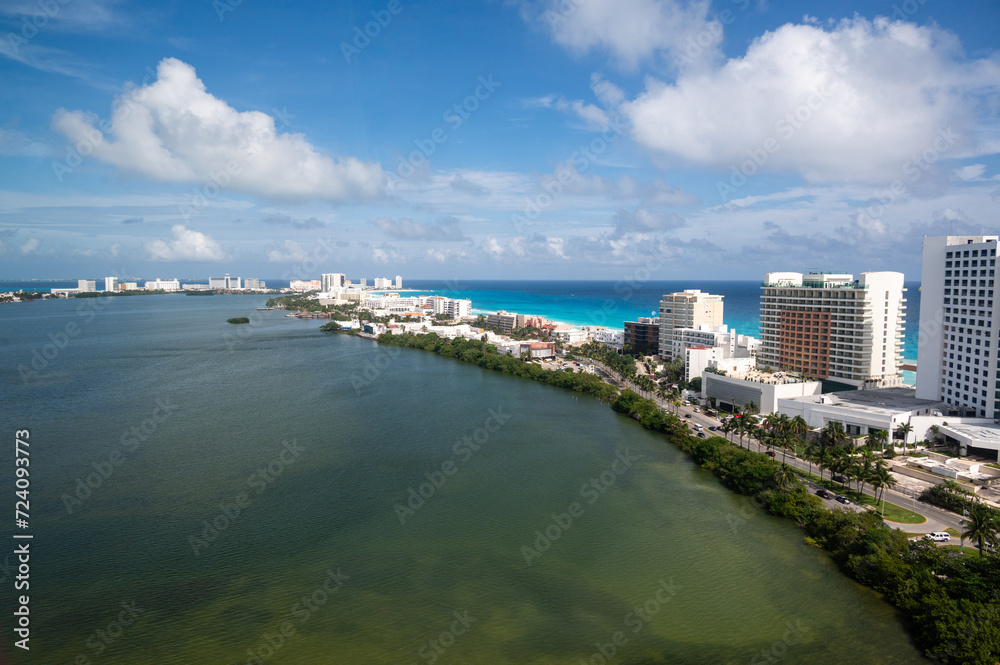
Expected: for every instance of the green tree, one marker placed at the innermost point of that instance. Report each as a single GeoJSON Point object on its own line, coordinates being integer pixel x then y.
{"type": "Point", "coordinates": [902, 432]}
{"type": "Point", "coordinates": [981, 527]}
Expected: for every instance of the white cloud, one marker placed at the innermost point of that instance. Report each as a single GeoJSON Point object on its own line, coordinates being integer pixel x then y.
{"type": "Point", "coordinates": [632, 31]}
{"type": "Point", "coordinates": [852, 103]}
{"type": "Point", "coordinates": [173, 130]}
{"type": "Point", "coordinates": [186, 245]}
{"type": "Point", "coordinates": [970, 172]}
{"type": "Point", "coordinates": [288, 252]}
{"type": "Point", "coordinates": [13, 142]}
{"type": "Point", "coordinates": [444, 230]}
{"type": "Point", "coordinates": [31, 246]}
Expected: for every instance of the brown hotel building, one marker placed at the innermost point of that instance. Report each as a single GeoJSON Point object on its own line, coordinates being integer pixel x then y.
{"type": "Point", "coordinates": [831, 326]}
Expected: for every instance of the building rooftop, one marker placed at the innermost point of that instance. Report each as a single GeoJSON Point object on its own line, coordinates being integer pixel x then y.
{"type": "Point", "coordinates": [882, 400]}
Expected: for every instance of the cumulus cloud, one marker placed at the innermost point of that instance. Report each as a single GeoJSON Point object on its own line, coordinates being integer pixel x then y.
{"type": "Point", "coordinates": [631, 32]}
{"type": "Point", "coordinates": [30, 246]}
{"type": "Point", "coordinates": [173, 130]}
{"type": "Point", "coordinates": [291, 222]}
{"type": "Point", "coordinates": [851, 103]}
{"type": "Point", "coordinates": [288, 251]}
{"type": "Point", "coordinates": [642, 220]}
{"type": "Point", "coordinates": [186, 245]}
{"type": "Point", "coordinates": [463, 184]}
{"type": "Point", "coordinates": [444, 230]}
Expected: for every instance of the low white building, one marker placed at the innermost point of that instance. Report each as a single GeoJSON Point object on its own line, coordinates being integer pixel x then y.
{"type": "Point", "coordinates": [762, 389]}
{"type": "Point", "coordinates": [570, 335]}
{"type": "Point", "coordinates": [609, 337]}
{"type": "Point", "coordinates": [162, 285]}
{"type": "Point", "coordinates": [861, 411]}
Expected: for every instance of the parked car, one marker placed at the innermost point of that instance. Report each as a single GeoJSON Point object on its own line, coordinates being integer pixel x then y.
{"type": "Point", "coordinates": [823, 494]}
{"type": "Point", "coordinates": [771, 453]}
{"type": "Point", "coordinates": [714, 428]}
{"type": "Point", "coordinates": [697, 410]}
{"type": "Point", "coordinates": [838, 479]}
{"type": "Point", "coordinates": [843, 499]}
{"type": "Point", "coordinates": [701, 435]}
{"type": "Point", "coordinates": [687, 415]}
{"type": "Point", "coordinates": [938, 537]}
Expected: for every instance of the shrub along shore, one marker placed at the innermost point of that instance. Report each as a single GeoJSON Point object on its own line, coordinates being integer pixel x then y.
{"type": "Point", "coordinates": [950, 604]}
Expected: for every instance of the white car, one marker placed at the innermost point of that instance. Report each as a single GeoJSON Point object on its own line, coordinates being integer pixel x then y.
{"type": "Point", "coordinates": [938, 537]}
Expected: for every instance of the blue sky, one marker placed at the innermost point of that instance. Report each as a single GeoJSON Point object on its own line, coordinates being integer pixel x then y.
{"type": "Point", "coordinates": [511, 139]}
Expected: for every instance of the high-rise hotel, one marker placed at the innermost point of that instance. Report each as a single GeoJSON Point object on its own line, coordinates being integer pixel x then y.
{"type": "Point", "coordinates": [957, 359]}
{"type": "Point", "coordinates": [686, 309]}
{"type": "Point", "coordinates": [831, 326]}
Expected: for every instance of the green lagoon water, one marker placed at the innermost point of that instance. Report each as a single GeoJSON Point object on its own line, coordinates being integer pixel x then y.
{"type": "Point", "coordinates": [370, 423]}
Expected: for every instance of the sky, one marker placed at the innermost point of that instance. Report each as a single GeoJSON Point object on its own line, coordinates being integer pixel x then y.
{"type": "Point", "coordinates": [505, 139]}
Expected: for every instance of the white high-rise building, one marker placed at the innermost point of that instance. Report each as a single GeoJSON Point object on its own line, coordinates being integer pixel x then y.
{"type": "Point", "coordinates": [332, 280]}
{"type": "Point", "coordinates": [686, 309]}
{"type": "Point", "coordinates": [399, 282]}
{"type": "Point", "coordinates": [957, 359]}
{"type": "Point", "coordinates": [86, 285]}
{"type": "Point", "coordinates": [831, 326]}
{"type": "Point", "coordinates": [382, 283]}
{"type": "Point", "coordinates": [110, 283]}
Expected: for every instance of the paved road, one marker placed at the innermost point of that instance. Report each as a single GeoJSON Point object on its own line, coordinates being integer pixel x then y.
{"type": "Point", "coordinates": [937, 519]}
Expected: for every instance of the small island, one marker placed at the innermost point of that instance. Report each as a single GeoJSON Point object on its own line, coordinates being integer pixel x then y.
{"type": "Point", "coordinates": [238, 320]}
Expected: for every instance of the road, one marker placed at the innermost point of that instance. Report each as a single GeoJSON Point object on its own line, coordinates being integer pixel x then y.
{"type": "Point", "coordinates": [937, 519]}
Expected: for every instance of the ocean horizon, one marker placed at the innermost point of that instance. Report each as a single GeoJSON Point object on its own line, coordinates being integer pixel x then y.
{"type": "Point", "coordinates": [588, 302]}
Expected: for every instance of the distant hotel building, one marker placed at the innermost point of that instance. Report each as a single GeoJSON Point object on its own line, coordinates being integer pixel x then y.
{"type": "Point", "coordinates": [110, 283]}
{"type": "Point", "coordinates": [505, 321]}
{"type": "Point", "coordinates": [643, 335]}
{"type": "Point", "coordinates": [162, 285]}
{"type": "Point", "coordinates": [254, 284]}
{"type": "Point", "coordinates": [831, 326]}
{"type": "Point", "coordinates": [957, 360]}
{"type": "Point", "coordinates": [331, 281]}
{"type": "Point", "coordinates": [686, 309]}
{"type": "Point", "coordinates": [226, 283]}
{"type": "Point", "coordinates": [302, 286]}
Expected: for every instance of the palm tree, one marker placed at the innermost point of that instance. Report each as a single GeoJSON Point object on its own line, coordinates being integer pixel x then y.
{"type": "Point", "coordinates": [751, 408]}
{"type": "Point", "coordinates": [824, 457]}
{"type": "Point", "coordinates": [728, 427]}
{"type": "Point", "coordinates": [981, 527]}
{"type": "Point", "coordinates": [878, 437]}
{"type": "Point", "coordinates": [809, 455]}
{"type": "Point", "coordinates": [798, 427]}
{"type": "Point", "coordinates": [902, 432]}
{"type": "Point", "coordinates": [784, 477]}
{"type": "Point", "coordinates": [833, 434]}
{"type": "Point", "coordinates": [881, 479]}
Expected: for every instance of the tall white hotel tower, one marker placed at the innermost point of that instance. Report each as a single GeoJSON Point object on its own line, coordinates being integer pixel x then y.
{"type": "Point", "coordinates": [959, 324]}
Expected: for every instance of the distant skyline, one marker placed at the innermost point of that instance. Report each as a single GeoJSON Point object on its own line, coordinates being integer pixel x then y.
{"type": "Point", "coordinates": [514, 139]}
